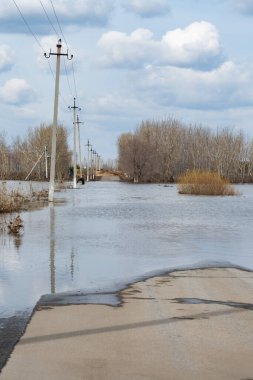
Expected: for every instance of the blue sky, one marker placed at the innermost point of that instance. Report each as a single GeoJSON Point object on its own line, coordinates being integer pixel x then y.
{"type": "Point", "coordinates": [133, 60]}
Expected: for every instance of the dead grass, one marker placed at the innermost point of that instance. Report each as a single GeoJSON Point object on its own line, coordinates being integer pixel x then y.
{"type": "Point", "coordinates": [10, 201]}
{"type": "Point", "coordinates": [204, 183]}
{"type": "Point", "coordinates": [13, 201]}
{"type": "Point", "coordinates": [15, 225]}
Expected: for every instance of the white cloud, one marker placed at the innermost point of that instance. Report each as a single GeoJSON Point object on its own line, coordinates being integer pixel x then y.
{"type": "Point", "coordinates": [122, 50]}
{"type": "Point", "coordinates": [157, 91]}
{"type": "Point", "coordinates": [119, 104]}
{"type": "Point", "coordinates": [244, 6]}
{"type": "Point", "coordinates": [197, 45]}
{"type": "Point", "coordinates": [26, 112]}
{"type": "Point", "coordinates": [6, 57]}
{"type": "Point", "coordinates": [69, 12]}
{"type": "Point", "coordinates": [225, 87]}
{"type": "Point", "coordinates": [147, 8]}
{"type": "Point", "coordinates": [16, 92]}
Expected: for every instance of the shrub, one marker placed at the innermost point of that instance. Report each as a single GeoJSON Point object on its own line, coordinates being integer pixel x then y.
{"type": "Point", "coordinates": [198, 182]}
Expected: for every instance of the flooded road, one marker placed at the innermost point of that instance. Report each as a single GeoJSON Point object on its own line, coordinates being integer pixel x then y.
{"type": "Point", "coordinates": [107, 234]}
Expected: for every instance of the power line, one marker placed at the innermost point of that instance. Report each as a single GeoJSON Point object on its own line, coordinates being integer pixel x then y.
{"type": "Point", "coordinates": [37, 41]}
{"type": "Point", "coordinates": [41, 47]}
{"type": "Point", "coordinates": [74, 77]}
{"type": "Point", "coordinates": [63, 36]}
{"type": "Point", "coordinates": [27, 25]}
{"type": "Point", "coordinates": [48, 18]}
{"type": "Point", "coordinates": [67, 76]}
{"type": "Point", "coordinates": [52, 25]}
{"type": "Point", "coordinates": [58, 22]}
{"type": "Point", "coordinates": [31, 32]}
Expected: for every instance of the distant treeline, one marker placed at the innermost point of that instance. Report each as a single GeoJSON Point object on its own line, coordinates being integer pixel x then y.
{"type": "Point", "coordinates": [17, 159]}
{"type": "Point", "coordinates": [160, 151]}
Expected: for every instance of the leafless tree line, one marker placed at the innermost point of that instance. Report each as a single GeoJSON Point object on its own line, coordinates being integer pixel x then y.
{"type": "Point", "coordinates": [160, 151]}
{"type": "Point", "coordinates": [17, 159]}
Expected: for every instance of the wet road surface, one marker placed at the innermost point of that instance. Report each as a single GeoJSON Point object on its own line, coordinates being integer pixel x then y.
{"type": "Point", "coordinates": [195, 324]}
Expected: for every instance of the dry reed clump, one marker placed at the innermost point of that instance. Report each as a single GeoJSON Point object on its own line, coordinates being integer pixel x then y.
{"type": "Point", "coordinates": [15, 226]}
{"type": "Point", "coordinates": [204, 183]}
{"type": "Point", "coordinates": [14, 200]}
{"type": "Point", "coordinates": [10, 201]}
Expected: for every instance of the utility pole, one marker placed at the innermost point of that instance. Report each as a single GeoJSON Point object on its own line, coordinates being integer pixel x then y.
{"type": "Point", "coordinates": [46, 162]}
{"type": "Point", "coordinates": [91, 163]}
{"type": "Point", "coordinates": [55, 119]}
{"type": "Point", "coordinates": [74, 108]}
{"type": "Point", "coordinates": [88, 161]}
{"type": "Point", "coordinates": [98, 162]}
{"type": "Point", "coordinates": [78, 122]}
{"type": "Point", "coordinates": [34, 166]}
{"type": "Point", "coordinates": [95, 164]}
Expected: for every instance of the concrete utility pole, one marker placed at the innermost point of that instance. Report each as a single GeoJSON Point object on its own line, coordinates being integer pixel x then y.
{"type": "Point", "coordinates": [46, 156]}
{"type": "Point", "coordinates": [88, 161]}
{"type": "Point", "coordinates": [34, 166]}
{"type": "Point", "coordinates": [91, 163]}
{"type": "Point", "coordinates": [74, 108]}
{"type": "Point", "coordinates": [94, 165]}
{"type": "Point", "coordinates": [98, 163]}
{"type": "Point", "coordinates": [55, 119]}
{"type": "Point", "coordinates": [78, 122]}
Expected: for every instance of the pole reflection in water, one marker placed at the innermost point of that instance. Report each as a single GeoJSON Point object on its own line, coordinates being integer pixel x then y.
{"type": "Point", "coordinates": [52, 248]}
{"type": "Point", "coordinates": [72, 254]}
{"type": "Point", "coordinates": [72, 263]}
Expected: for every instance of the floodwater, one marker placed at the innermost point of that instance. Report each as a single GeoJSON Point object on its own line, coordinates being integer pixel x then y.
{"type": "Point", "coordinates": [104, 235]}
{"type": "Point", "coordinates": [107, 234]}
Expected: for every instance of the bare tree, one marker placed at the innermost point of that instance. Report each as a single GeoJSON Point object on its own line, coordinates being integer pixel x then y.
{"type": "Point", "coordinates": [159, 151]}
{"type": "Point", "coordinates": [25, 153]}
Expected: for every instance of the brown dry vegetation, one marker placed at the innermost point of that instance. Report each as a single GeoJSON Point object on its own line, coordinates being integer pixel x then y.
{"type": "Point", "coordinates": [17, 160]}
{"type": "Point", "coordinates": [161, 151]}
{"type": "Point", "coordinates": [198, 182]}
{"type": "Point", "coordinates": [14, 200]}
{"type": "Point", "coordinates": [10, 201]}
{"type": "Point", "coordinates": [15, 226]}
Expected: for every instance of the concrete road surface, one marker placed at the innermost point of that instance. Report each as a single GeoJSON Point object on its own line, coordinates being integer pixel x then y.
{"type": "Point", "coordinates": [189, 325]}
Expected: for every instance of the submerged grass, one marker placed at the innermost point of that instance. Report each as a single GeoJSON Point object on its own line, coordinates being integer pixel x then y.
{"type": "Point", "coordinates": [197, 182]}
{"type": "Point", "coordinates": [13, 201]}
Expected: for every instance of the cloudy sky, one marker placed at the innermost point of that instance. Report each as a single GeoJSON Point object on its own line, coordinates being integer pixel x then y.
{"type": "Point", "coordinates": [133, 60]}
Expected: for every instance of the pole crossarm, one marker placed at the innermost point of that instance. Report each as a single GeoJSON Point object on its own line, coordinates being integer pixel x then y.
{"type": "Point", "coordinates": [78, 122]}
{"type": "Point", "coordinates": [74, 107]}
{"type": "Point", "coordinates": [59, 45]}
